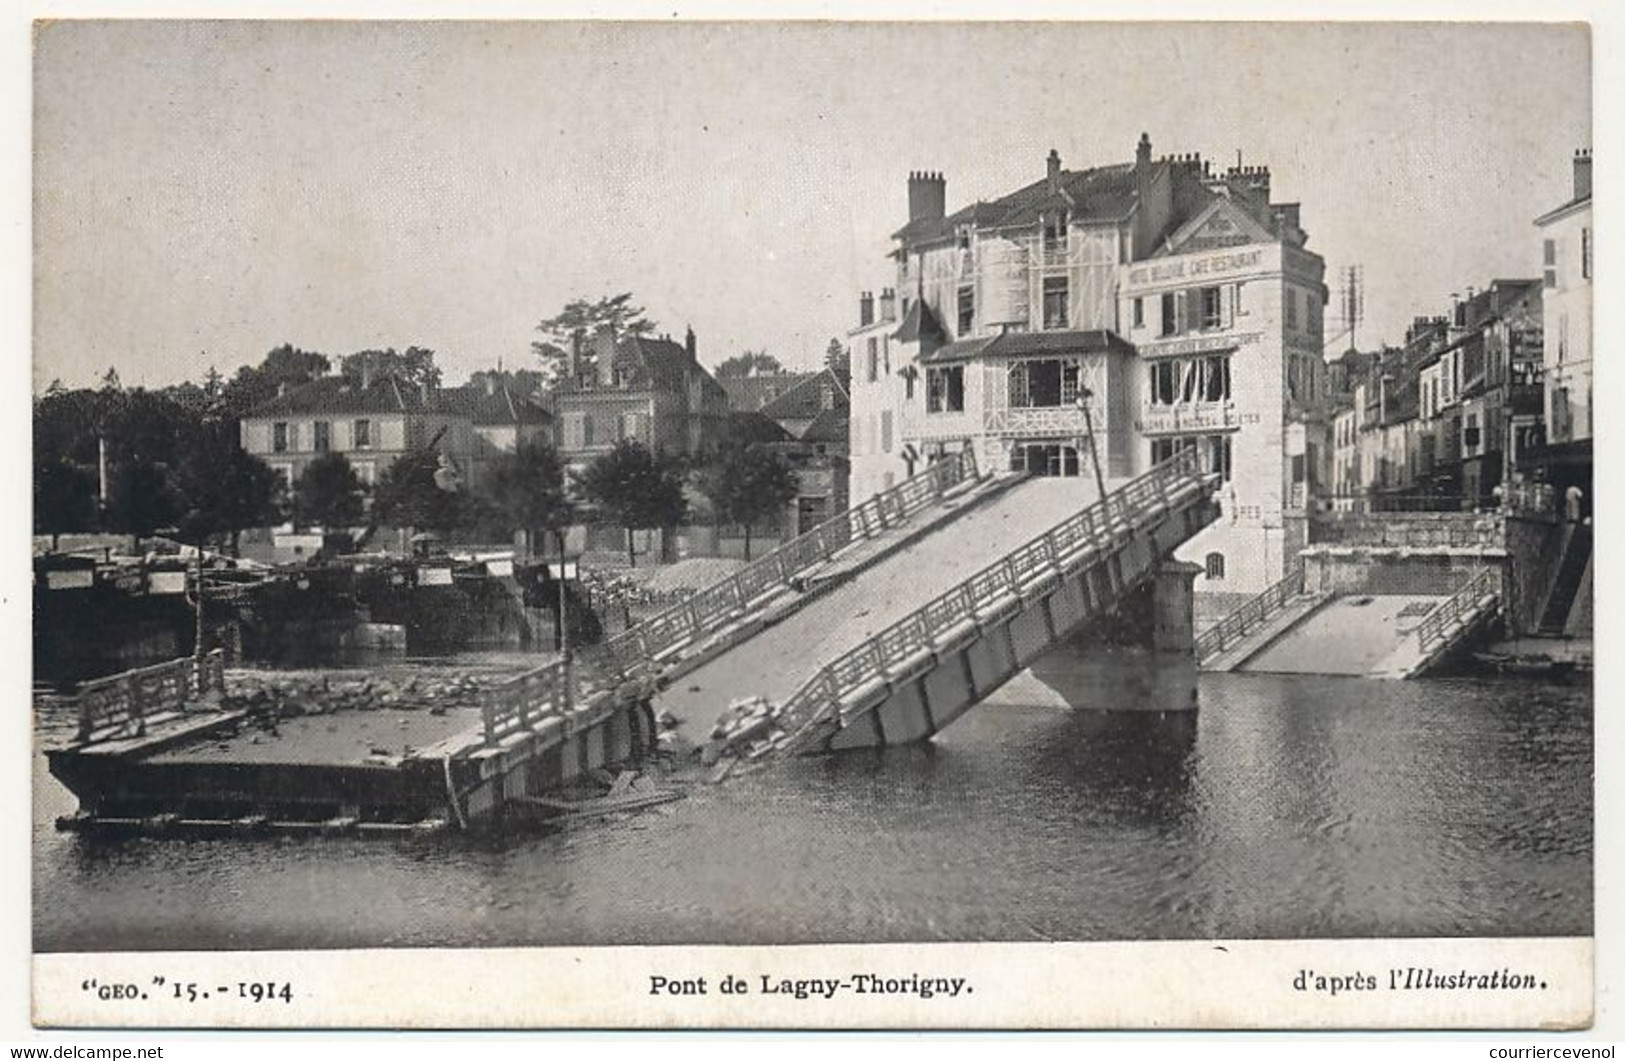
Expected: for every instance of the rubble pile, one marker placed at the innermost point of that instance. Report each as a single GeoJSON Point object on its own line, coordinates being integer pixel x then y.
{"type": "Point", "coordinates": [749, 728]}
{"type": "Point", "coordinates": [282, 696]}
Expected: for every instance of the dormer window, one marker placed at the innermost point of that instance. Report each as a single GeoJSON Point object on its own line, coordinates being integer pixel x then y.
{"type": "Point", "coordinates": [1055, 226]}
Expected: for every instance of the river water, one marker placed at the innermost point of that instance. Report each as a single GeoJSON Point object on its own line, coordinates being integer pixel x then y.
{"type": "Point", "coordinates": [1287, 807]}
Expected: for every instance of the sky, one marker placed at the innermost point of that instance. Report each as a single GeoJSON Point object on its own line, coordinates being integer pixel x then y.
{"type": "Point", "coordinates": [205, 191]}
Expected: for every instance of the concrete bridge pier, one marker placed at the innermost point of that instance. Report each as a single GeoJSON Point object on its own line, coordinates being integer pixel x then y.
{"type": "Point", "coordinates": [1173, 603]}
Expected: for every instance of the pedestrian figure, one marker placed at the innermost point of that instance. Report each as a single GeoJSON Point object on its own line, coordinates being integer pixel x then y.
{"type": "Point", "coordinates": [1571, 504]}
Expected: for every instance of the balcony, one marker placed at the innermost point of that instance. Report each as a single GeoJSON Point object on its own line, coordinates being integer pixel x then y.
{"type": "Point", "coordinates": [1187, 417]}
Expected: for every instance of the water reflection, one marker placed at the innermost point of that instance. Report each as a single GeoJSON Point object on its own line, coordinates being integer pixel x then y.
{"type": "Point", "coordinates": [1284, 806]}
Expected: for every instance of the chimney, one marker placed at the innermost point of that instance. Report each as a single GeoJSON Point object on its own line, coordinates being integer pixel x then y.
{"type": "Point", "coordinates": [927, 196]}
{"type": "Point", "coordinates": [1582, 173]}
{"type": "Point", "coordinates": [1142, 156]}
{"type": "Point", "coordinates": [490, 385]}
{"type": "Point", "coordinates": [866, 309]}
{"type": "Point", "coordinates": [888, 304]}
{"type": "Point", "coordinates": [688, 344]}
{"type": "Point", "coordinates": [366, 372]}
{"type": "Point", "coordinates": [1054, 171]}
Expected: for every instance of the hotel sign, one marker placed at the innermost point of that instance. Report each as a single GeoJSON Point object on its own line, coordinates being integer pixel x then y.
{"type": "Point", "coordinates": [1207, 344]}
{"type": "Point", "coordinates": [1203, 267]}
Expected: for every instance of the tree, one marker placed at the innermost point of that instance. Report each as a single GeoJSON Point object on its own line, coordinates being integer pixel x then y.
{"type": "Point", "coordinates": [636, 489]}
{"type": "Point", "coordinates": [414, 365]}
{"type": "Point", "coordinates": [64, 498]}
{"type": "Point", "coordinates": [836, 357]}
{"type": "Point", "coordinates": [142, 498]}
{"type": "Point", "coordinates": [581, 320]}
{"type": "Point", "coordinates": [225, 489]}
{"type": "Point", "coordinates": [747, 484]}
{"type": "Point", "coordinates": [526, 489]}
{"type": "Point", "coordinates": [285, 365]}
{"type": "Point", "coordinates": [409, 495]}
{"type": "Point", "coordinates": [749, 363]}
{"type": "Point", "coordinates": [329, 494]}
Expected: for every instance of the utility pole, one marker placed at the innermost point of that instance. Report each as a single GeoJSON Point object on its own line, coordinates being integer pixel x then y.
{"type": "Point", "coordinates": [1084, 395]}
{"type": "Point", "coordinates": [564, 634]}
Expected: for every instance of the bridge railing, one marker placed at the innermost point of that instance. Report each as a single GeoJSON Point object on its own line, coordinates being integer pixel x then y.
{"type": "Point", "coordinates": [689, 619]}
{"type": "Point", "coordinates": [1239, 623]}
{"type": "Point", "coordinates": [991, 591]}
{"type": "Point", "coordinates": [1456, 608]}
{"type": "Point", "coordinates": [522, 701]}
{"type": "Point", "coordinates": [122, 703]}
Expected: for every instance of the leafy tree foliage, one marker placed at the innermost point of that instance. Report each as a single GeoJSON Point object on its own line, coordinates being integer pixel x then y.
{"type": "Point", "coordinates": [635, 489]}
{"type": "Point", "coordinates": [224, 489]}
{"type": "Point", "coordinates": [749, 363]}
{"type": "Point", "coordinates": [64, 497]}
{"type": "Point", "coordinates": [329, 494]}
{"type": "Point", "coordinates": [143, 498]}
{"type": "Point", "coordinates": [836, 356]}
{"type": "Point", "coordinates": [414, 365]}
{"type": "Point", "coordinates": [525, 489]}
{"type": "Point", "coordinates": [581, 318]}
{"type": "Point", "coordinates": [284, 365]}
{"type": "Point", "coordinates": [408, 495]}
{"type": "Point", "coordinates": [747, 484]}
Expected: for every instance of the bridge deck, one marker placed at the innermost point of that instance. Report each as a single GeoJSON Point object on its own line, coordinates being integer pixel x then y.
{"type": "Point", "coordinates": [1356, 634]}
{"type": "Point", "coordinates": [776, 662]}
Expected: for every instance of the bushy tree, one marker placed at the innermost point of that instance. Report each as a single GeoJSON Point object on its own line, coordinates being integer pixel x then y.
{"type": "Point", "coordinates": [747, 484]}
{"type": "Point", "coordinates": [413, 492]}
{"type": "Point", "coordinates": [285, 365]}
{"type": "Point", "coordinates": [525, 489]}
{"type": "Point", "coordinates": [836, 357]}
{"type": "Point", "coordinates": [226, 490]}
{"type": "Point", "coordinates": [749, 363]}
{"type": "Point", "coordinates": [636, 490]}
{"type": "Point", "coordinates": [583, 318]}
{"type": "Point", "coordinates": [64, 497]}
{"type": "Point", "coordinates": [414, 365]}
{"type": "Point", "coordinates": [329, 494]}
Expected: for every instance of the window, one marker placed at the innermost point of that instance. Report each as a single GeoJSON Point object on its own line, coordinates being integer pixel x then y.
{"type": "Point", "coordinates": [1201, 379]}
{"type": "Point", "coordinates": [1585, 253]}
{"type": "Point", "coordinates": [1139, 313]}
{"type": "Point", "coordinates": [874, 358]}
{"type": "Point", "coordinates": [1215, 566]}
{"type": "Point", "coordinates": [279, 437]}
{"type": "Point", "coordinates": [1055, 232]}
{"type": "Point", "coordinates": [1170, 314]}
{"type": "Point", "coordinates": [1549, 257]}
{"type": "Point", "coordinates": [322, 436]}
{"type": "Point", "coordinates": [366, 472]}
{"type": "Point", "coordinates": [361, 434]}
{"type": "Point", "coordinates": [1217, 456]}
{"type": "Point", "coordinates": [1043, 384]}
{"type": "Point", "coordinates": [908, 384]}
{"type": "Point", "coordinates": [1291, 308]}
{"type": "Point", "coordinates": [1049, 459]}
{"type": "Point", "coordinates": [885, 431]}
{"type": "Point", "coordinates": [1212, 308]}
{"type": "Point", "coordinates": [945, 389]}
{"type": "Point", "coordinates": [967, 309]}
{"type": "Point", "coordinates": [586, 429]}
{"type": "Point", "coordinates": [1055, 291]}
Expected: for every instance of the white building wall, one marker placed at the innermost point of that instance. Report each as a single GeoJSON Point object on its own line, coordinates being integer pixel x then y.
{"type": "Point", "coordinates": [1566, 306]}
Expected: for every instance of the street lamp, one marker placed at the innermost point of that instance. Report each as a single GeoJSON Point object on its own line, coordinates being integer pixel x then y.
{"type": "Point", "coordinates": [1082, 402]}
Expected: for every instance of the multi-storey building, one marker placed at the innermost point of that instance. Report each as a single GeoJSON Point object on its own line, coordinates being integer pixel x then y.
{"type": "Point", "coordinates": [652, 390]}
{"type": "Point", "coordinates": [1566, 247]}
{"type": "Point", "coordinates": [1178, 303]}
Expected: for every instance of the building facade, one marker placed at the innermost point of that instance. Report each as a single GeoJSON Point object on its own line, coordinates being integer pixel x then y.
{"type": "Point", "coordinates": [1566, 248]}
{"type": "Point", "coordinates": [1166, 305]}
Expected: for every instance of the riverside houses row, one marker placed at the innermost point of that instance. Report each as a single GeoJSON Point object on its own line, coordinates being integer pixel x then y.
{"type": "Point", "coordinates": [1496, 391]}
{"type": "Point", "coordinates": [1178, 301]}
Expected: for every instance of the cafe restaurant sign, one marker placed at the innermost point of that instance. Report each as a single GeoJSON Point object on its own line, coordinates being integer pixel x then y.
{"type": "Point", "coordinates": [1199, 267]}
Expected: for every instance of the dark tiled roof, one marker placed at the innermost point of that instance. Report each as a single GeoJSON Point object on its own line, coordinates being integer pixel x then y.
{"type": "Point", "coordinates": [751, 427]}
{"type": "Point", "coordinates": [339, 396]}
{"type": "Point", "coordinates": [831, 425]}
{"type": "Point", "coordinates": [920, 323]}
{"type": "Point", "coordinates": [749, 393]}
{"type": "Point", "coordinates": [1105, 193]}
{"type": "Point", "coordinates": [502, 406]}
{"type": "Point", "coordinates": [1010, 344]}
{"type": "Point", "coordinates": [805, 400]}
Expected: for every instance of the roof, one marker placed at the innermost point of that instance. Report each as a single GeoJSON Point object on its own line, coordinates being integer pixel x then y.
{"type": "Point", "coordinates": [831, 425]}
{"type": "Point", "coordinates": [500, 406]}
{"type": "Point", "coordinates": [749, 393]}
{"type": "Point", "coordinates": [1568, 207]}
{"type": "Point", "coordinates": [749, 426]}
{"type": "Point", "coordinates": [805, 400]}
{"type": "Point", "coordinates": [1009, 344]}
{"type": "Point", "coordinates": [920, 323]}
{"type": "Point", "coordinates": [1104, 193]}
{"type": "Point", "coordinates": [338, 395]}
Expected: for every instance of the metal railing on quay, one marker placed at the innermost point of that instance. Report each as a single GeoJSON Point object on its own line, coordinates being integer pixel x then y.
{"type": "Point", "coordinates": [686, 620]}
{"type": "Point", "coordinates": [1055, 552]}
{"type": "Point", "coordinates": [1235, 626]}
{"type": "Point", "coordinates": [121, 701]}
{"type": "Point", "coordinates": [1456, 608]}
